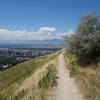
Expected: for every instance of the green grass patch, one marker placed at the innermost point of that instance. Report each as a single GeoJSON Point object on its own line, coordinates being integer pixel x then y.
{"type": "Point", "coordinates": [46, 82]}
{"type": "Point", "coordinates": [20, 95]}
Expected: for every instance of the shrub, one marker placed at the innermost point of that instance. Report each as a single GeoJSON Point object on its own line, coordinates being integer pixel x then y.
{"type": "Point", "coordinates": [85, 43]}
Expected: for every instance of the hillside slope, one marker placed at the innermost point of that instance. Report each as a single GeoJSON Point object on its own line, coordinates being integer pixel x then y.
{"type": "Point", "coordinates": [18, 82]}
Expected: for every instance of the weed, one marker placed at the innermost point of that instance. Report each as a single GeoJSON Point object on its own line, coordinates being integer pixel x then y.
{"type": "Point", "coordinates": [88, 78]}
{"type": "Point", "coordinates": [47, 81]}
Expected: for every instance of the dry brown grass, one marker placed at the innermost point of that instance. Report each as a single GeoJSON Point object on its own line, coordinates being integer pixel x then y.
{"type": "Point", "coordinates": [11, 80]}
{"type": "Point", "coordinates": [88, 77]}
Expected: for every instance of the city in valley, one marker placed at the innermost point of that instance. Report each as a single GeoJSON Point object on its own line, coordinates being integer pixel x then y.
{"type": "Point", "coordinates": [12, 55]}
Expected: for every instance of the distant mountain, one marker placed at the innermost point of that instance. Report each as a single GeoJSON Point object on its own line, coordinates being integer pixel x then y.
{"type": "Point", "coordinates": [43, 43]}
{"type": "Point", "coordinates": [53, 40]}
{"type": "Point", "coordinates": [31, 41]}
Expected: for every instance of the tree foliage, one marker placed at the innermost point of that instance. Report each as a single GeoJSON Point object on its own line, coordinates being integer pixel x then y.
{"type": "Point", "coordinates": [85, 42]}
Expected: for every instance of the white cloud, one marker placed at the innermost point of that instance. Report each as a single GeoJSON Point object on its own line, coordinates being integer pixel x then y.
{"type": "Point", "coordinates": [42, 33]}
{"type": "Point", "coordinates": [47, 30]}
{"type": "Point", "coordinates": [68, 33]}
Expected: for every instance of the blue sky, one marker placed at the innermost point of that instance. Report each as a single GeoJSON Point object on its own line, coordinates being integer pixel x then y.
{"type": "Point", "coordinates": [19, 16]}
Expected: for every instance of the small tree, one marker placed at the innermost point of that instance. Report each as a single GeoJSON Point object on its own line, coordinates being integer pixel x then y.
{"type": "Point", "coordinates": [85, 43]}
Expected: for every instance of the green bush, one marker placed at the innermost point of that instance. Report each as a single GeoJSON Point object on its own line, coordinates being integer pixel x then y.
{"type": "Point", "coordinates": [85, 42]}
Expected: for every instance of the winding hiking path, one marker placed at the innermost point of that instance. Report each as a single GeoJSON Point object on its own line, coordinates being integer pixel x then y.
{"type": "Point", "coordinates": [66, 88]}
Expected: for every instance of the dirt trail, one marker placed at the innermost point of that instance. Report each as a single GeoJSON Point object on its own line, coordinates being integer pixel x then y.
{"type": "Point", "coordinates": [66, 88]}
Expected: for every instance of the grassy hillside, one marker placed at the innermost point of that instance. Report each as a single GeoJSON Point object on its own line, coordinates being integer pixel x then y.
{"type": "Point", "coordinates": [12, 78]}
{"type": "Point", "coordinates": [88, 77]}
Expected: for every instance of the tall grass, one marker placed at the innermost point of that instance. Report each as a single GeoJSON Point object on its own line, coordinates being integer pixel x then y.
{"type": "Point", "coordinates": [88, 78]}
{"type": "Point", "coordinates": [46, 82]}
